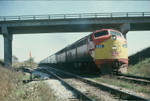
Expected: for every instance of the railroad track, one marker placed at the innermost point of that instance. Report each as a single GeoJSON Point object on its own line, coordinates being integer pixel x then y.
{"type": "Point", "coordinates": [134, 79]}
{"type": "Point", "coordinates": [79, 94]}
{"type": "Point", "coordinates": [83, 90]}
{"type": "Point", "coordinates": [117, 94]}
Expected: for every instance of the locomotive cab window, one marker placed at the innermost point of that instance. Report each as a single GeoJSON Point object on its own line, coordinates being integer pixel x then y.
{"type": "Point", "coordinates": [89, 38]}
{"type": "Point", "coordinates": [115, 33]}
{"type": "Point", "coordinates": [102, 33]}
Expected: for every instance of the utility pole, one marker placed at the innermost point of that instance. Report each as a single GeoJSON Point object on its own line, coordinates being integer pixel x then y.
{"type": "Point", "coordinates": [30, 65]}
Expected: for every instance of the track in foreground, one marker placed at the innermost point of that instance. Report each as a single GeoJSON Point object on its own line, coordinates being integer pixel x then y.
{"type": "Point", "coordinates": [79, 94]}
{"type": "Point", "coordinates": [92, 93]}
{"type": "Point", "coordinates": [118, 93]}
{"type": "Point", "coordinates": [134, 79]}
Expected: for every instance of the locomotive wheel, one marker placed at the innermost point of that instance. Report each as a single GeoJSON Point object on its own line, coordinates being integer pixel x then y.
{"type": "Point", "coordinates": [106, 69]}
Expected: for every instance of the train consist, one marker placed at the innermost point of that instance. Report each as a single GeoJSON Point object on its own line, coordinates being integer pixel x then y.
{"type": "Point", "coordinates": [103, 50]}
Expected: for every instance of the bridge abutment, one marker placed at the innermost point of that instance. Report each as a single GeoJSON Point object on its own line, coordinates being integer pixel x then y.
{"type": "Point", "coordinates": [125, 28]}
{"type": "Point", "coordinates": [8, 37]}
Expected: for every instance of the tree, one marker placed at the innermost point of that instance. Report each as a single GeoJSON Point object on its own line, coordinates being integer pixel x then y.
{"type": "Point", "coordinates": [30, 62]}
{"type": "Point", "coordinates": [15, 59]}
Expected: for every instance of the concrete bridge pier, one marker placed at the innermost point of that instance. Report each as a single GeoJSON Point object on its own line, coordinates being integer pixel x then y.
{"type": "Point", "coordinates": [125, 28]}
{"type": "Point", "coordinates": [8, 37]}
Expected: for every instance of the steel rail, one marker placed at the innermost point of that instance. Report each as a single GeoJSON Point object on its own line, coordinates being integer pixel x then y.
{"type": "Point", "coordinates": [123, 95]}
{"type": "Point", "coordinates": [74, 16]}
{"type": "Point", "coordinates": [136, 77]}
{"type": "Point", "coordinates": [80, 95]}
{"type": "Point", "coordinates": [133, 80]}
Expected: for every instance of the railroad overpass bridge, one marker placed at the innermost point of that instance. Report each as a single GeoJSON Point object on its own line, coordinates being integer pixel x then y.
{"type": "Point", "coordinates": [55, 23]}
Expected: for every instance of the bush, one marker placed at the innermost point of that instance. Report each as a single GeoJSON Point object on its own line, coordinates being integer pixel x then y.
{"type": "Point", "coordinates": [139, 56]}
{"type": "Point", "coordinates": [12, 88]}
{"type": "Point", "coordinates": [141, 69]}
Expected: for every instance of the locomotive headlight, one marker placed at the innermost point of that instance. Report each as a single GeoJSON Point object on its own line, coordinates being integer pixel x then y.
{"type": "Point", "coordinates": [114, 47]}
{"type": "Point", "coordinates": [113, 37]}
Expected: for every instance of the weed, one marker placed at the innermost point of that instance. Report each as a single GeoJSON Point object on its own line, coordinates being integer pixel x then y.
{"type": "Point", "coordinates": [8, 82]}
{"type": "Point", "coordinates": [12, 88]}
{"type": "Point", "coordinates": [141, 69]}
{"type": "Point", "coordinates": [34, 91]}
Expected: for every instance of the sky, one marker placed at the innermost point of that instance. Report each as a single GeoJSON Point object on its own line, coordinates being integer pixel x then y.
{"type": "Point", "coordinates": [44, 44]}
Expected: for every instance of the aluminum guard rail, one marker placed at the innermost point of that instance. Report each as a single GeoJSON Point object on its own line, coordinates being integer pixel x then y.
{"type": "Point", "coordinates": [74, 16]}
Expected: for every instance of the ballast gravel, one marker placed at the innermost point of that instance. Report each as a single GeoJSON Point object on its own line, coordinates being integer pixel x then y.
{"type": "Point", "coordinates": [93, 92]}
{"type": "Point", "coordinates": [60, 91]}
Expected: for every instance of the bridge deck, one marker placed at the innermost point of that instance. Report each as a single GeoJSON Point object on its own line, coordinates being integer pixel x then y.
{"type": "Point", "coordinates": [74, 16]}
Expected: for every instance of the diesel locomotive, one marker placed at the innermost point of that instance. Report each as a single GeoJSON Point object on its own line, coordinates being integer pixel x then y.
{"type": "Point", "coordinates": [103, 50]}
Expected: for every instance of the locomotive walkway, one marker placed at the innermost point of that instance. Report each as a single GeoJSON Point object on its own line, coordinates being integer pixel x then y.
{"type": "Point", "coordinates": [55, 23]}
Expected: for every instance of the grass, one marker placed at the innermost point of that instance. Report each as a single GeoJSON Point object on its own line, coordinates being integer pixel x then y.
{"type": "Point", "coordinates": [139, 56]}
{"type": "Point", "coordinates": [12, 88]}
{"type": "Point", "coordinates": [34, 91]}
{"type": "Point", "coordinates": [140, 69]}
{"type": "Point", "coordinates": [139, 63]}
{"type": "Point", "coordinates": [8, 82]}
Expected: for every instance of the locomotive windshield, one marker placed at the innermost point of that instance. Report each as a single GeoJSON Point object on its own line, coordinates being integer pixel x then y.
{"type": "Point", "coordinates": [115, 33]}
{"type": "Point", "coordinates": [102, 33]}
